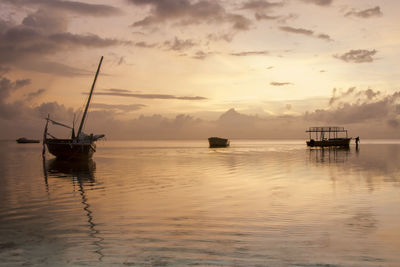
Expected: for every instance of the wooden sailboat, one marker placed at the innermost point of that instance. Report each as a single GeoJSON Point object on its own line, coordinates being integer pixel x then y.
{"type": "Point", "coordinates": [80, 146]}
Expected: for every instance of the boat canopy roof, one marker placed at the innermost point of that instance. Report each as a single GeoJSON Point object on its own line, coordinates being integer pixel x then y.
{"type": "Point", "coordinates": [326, 129]}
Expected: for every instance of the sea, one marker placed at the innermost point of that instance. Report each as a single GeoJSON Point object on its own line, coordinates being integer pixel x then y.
{"type": "Point", "coordinates": [181, 203]}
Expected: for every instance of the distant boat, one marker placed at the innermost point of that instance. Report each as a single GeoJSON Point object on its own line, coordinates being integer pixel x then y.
{"type": "Point", "coordinates": [218, 142]}
{"type": "Point", "coordinates": [80, 146]}
{"type": "Point", "coordinates": [328, 137]}
{"type": "Point", "coordinates": [24, 140]}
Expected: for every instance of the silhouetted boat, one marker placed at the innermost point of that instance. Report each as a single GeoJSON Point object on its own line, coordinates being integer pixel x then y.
{"type": "Point", "coordinates": [24, 140]}
{"type": "Point", "coordinates": [328, 137]}
{"type": "Point", "coordinates": [218, 142]}
{"type": "Point", "coordinates": [81, 146]}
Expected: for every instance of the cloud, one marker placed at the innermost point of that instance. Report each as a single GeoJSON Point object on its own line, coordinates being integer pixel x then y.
{"type": "Point", "coordinates": [357, 56]}
{"type": "Point", "coordinates": [52, 68]}
{"type": "Point", "coordinates": [280, 83]}
{"type": "Point", "coordinates": [7, 86]}
{"type": "Point", "coordinates": [115, 92]}
{"type": "Point", "coordinates": [121, 108]}
{"type": "Point", "coordinates": [179, 45]}
{"type": "Point", "coordinates": [296, 30]}
{"type": "Point", "coordinates": [35, 94]}
{"type": "Point", "coordinates": [335, 98]}
{"type": "Point", "coordinates": [324, 37]}
{"type": "Point", "coordinates": [367, 13]}
{"type": "Point", "coordinates": [262, 16]}
{"type": "Point", "coordinates": [305, 32]}
{"type": "Point", "coordinates": [260, 5]}
{"type": "Point", "coordinates": [227, 37]}
{"type": "Point", "coordinates": [319, 2]}
{"type": "Point", "coordinates": [200, 55]}
{"type": "Point", "coordinates": [144, 45]}
{"type": "Point", "coordinates": [45, 21]}
{"type": "Point", "coordinates": [80, 8]}
{"type": "Point", "coordinates": [4, 70]}
{"type": "Point", "coordinates": [186, 12]}
{"type": "Point", "coordinates": [249, 53]}
{"type": "Point", "coordinates": [353, 106]}
{"type": "Point", "coordinates": [41, 34]}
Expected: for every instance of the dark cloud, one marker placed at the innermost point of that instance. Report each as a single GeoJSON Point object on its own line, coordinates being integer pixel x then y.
{"type": "Point", "coordinates": [306, 32]}
{"type": "Point", "coordinates": [70, 7]}
{"type": "Point", "coordinates": [367, 13]}
{"type": "Point", "coordinates": [280, 83]}
{"type": "Point", "coordinates": [70, 40]}
{"type": "Point", "coordinates": [145, 45]}
{"type": "Point", "coordinates": [324, 37]}
{"type": "Point", "coordinates": [296, 30]}
{"type": "Point", "coordinates": [7, 86]}
{"type": "Point", "coordinates": [250, 53]}
{"type": "Point", "coordinates": [200, 55]}
{"type": "Point", "coordinates": [40, 35]}
{"type": "Point", "coordinates": [116, 92]}
{"type": "Point", "coordinates": [227, 37]}
{"type": "Point", "coordinates": [270, 67]}
{"type": "Point", "coordinates": [58, 112]}
{"type": "Point", "coordinates": [319, 2]}
{"type": "Point", "coordinates": [260, 5]}
{"type": "Point", "coordinates": [122, 108]}
{"type": "Point", "coordinates": [46, 22]}
{"type": "Point", "coordinates": [52, 68]}
{"type": "Point", "coordinates": [262, 16]}
{"type": "Point", "coordinates": [35, 94]}
{"type": "Point", "coordinates": [179, 45]}
{"type": "Point", "coordinates": [186, 12]}
{"type": "Point", "coordinates": [357, 56]}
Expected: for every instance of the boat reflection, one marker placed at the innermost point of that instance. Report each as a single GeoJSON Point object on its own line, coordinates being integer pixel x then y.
{"type": "Point", "coordinates": [82, 174]}
{"type": "Point", "coordinates": [329, 154]}
{"type": "Point", "coordinates": [82, 171]}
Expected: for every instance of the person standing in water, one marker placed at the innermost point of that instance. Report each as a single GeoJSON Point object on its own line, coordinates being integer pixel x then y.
{"type": "Point", "coordinates": [357, 140]}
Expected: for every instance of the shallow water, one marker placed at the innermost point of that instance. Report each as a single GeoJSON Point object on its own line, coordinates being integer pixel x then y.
{"type": "Point", "coordinates": [179, 203]}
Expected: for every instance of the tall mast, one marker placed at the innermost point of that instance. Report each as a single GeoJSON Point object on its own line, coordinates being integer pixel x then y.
{"type": "Point", "coordinates": [90, 96]}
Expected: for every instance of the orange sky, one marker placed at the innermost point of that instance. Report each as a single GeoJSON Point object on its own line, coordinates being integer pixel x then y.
{"type": "Point", "coordinates": [190, 69]}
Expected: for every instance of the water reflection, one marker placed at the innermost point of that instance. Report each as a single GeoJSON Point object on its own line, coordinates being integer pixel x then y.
{"type": "Point", "coordinates": [82, 173]}
{"type": "Point", "coordinates": [329, 155]}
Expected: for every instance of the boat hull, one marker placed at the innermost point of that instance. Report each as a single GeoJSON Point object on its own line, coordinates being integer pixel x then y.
{"type": "Point", "coordinates": [218, 142]}
{"type": "Point", "coordinates": [338, 142]}
{"type": "Point", "coordinates": [27, 141]}
{"type": "Point", "coordinates": [66, 149]}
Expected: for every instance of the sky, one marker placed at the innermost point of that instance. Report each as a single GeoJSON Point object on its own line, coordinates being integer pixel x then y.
{"type": "Point", "coordinates": [183, 69]}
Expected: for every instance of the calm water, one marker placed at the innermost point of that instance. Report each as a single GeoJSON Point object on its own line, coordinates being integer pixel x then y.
{"type": "Point", "coordinates": [179, 203]}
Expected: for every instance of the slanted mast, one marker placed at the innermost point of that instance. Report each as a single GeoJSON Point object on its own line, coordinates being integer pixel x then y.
{"type": "Point", "coordinates": [89, 98]}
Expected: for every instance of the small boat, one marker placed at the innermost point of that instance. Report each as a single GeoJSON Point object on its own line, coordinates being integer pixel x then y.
{"type": "Point", "coordinates": [24, 140]}
{"type": "Point", "coordinates": [218, 142]}
{"type": "Point", "coordinates": [78, 147]}
{"type": "Point", "coordinates": [328, 137]}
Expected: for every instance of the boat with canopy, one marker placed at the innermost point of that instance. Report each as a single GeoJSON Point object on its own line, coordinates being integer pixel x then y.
{"type": "Point", "coordinates": [329, 136]}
